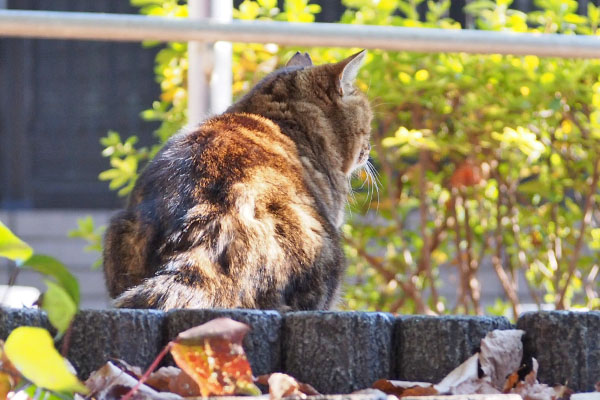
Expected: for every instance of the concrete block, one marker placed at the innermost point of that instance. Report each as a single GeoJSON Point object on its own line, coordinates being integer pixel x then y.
{"type": "Point", "coordinates": [262, 344]}
{"type": "Point", "coordinates": [427, 348]}
{"type": "Point", "coordinates": [566, 345]}
{"type": "Point", "coordinates": [338, 352]}
{"type": "Point", "coordinates": [10, 318]}
{"type": "Point", "coordinates": [135, 336]}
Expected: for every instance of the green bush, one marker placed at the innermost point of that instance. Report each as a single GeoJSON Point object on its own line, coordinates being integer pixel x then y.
{"type": "Point", "coordinates": [482, 158]}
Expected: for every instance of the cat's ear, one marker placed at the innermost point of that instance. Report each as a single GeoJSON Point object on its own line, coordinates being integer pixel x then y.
{"type": "Point", "coordinates": [300, 60]}
{"type": "Point", "coordinates": [350, 67]}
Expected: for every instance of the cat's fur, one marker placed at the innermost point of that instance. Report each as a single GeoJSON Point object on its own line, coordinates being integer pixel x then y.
{"type": "Point", "coordinates": [245, 210]}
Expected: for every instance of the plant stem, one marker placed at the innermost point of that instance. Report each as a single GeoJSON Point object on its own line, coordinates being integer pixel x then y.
{"type": "Point", "coordinates": [151, 368]}
{"type": "Point", "coordinates": [64, 349]}
{"type": "Point", "coordinates": [509, 289]}
{"type": "Point", "coordinates": [462, 292]}
{"type": "Point", "coordinates": [587, 215]}
{"type": "Point", "coordinates": [407, 285]}
{"type": "Point", "coordinates": [472, 265]}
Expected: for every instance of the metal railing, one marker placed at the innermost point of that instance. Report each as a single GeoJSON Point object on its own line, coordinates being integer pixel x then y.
{"type": "Point", "coordinates": [118, 27]}
{"type": "Point", "coordinates": [210, 93]}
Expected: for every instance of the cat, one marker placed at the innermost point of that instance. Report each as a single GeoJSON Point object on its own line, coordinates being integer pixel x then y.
{"type": "Point", "coordinates": [244, 210]}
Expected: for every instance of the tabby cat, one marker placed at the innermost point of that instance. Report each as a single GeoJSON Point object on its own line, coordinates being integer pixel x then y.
{"type": "Point", "coordinates": [244, 210]}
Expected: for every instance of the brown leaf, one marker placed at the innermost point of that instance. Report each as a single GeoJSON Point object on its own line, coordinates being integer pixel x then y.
{"type": "Point", "coordinates": [501, 355]}
{"type": "Point", "coordinates": [6, 384]}
{"type": "Point", "coordinates": [531, 389]}
{"type": "Point", "coordinates": [10, 377]}
{"type": "Point", "coordinates": [219, 328]}
{"type": "Point", "coordinates": [405, 388]}
{"type": "Point", "coordinates": [511, 382]}
{"type": "Point", "coordinates": [174, 380]}
{"type": "Point", "coordinates": [161, 378]}
{"type": "Point", "coordinates": [111, 382]}
{"type": "Point", "coordinates": [184, 386]}
{"type": "Point", "coordinates": [212, 355]}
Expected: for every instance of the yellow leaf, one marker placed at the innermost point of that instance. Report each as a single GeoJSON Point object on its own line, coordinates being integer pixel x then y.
{"type": "Point", "coordinates": [422, 75]}
{"type": "Point", "coordinates": [31, 350]}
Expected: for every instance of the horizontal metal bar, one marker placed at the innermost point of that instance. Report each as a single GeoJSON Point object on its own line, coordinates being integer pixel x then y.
{"type": "Point", "coordinates": [120, 27]}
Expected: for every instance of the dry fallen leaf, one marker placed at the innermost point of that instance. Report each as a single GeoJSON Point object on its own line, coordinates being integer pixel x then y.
{"type": "Point", "coordinates": [174, 380]}
{"type": "Point", "coordinates": [501, 354]}
{"type": "Point", "coordinates": [531, 389]}
{"type": "Point", "coordinates": [282, 385]}
{"type": "Point", "coordinates": [511, 382]}
{"type": "Point", "coordinates": [111, 382]}
{"type": "Point", "coordinates": [405, 388]}
{"type": "Point", "coordinates": [467, 371]}
{"type": "Point", "coordinates": [303, 388]}
{"type": "Point", "coordinates": [213, 356]}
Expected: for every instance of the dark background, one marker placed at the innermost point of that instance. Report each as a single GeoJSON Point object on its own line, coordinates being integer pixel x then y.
{"type": "Point", "coordinates": [58, 98]}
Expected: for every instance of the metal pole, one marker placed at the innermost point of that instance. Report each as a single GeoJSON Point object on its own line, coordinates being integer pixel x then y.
{"type": "Point", "coordinates": [199, 67]}
{"type": "Point", "coordinates": [95, 26]}
{"type": "Point", "coordinates": [222, 76]}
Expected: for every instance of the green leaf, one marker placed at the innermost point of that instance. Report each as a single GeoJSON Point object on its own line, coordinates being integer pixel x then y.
{"type": "Point", "coordinates": [12, 247]}
{"type": "Point", "coordinates": [59, 305]}
{"type": "Point", "coordinates": [50, 266]}
{"type": "Point", "coordinates": [31, 350]}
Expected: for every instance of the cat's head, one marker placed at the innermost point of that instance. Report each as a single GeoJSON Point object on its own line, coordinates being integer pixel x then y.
{"type": "Point", "coordinates": [323, 100]}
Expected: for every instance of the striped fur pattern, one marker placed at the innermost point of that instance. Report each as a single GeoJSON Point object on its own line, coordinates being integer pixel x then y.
{"type": "Point", "coordinates": [244, 210]}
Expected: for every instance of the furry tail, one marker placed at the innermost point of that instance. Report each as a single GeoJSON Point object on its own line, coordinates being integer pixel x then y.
{"type": "Point", "coordinates": [163, 292]}
{"type": "Point", "coordinates": [124, 253]}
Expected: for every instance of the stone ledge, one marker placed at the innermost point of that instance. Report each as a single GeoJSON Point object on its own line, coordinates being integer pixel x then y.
{"type": "Point", "coordinates": [135, 336]}
{"type": "Point", "coordinates": [428, 348]}
{"type": "Point", "coordinates": [337, 352]}
{"type": "Point", "coordinates": [567, 346]}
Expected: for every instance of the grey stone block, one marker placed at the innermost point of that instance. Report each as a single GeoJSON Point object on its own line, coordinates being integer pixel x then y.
{"type": "Point", "coordinates": [262, 344]}
{"type": "Point", "coordinates": [338, 352]}
{"type": "Point", "coordinates": [10, 318]}
{"type": "Point", "coordinates": [566, 345]}
{"type": "Point", "coordinates": [135, 336]}
{"type": "Point", "coordinates": [428, 348]}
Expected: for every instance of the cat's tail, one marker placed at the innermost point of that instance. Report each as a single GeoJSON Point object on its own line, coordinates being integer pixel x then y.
{"type": "Point", "coordinates": [163, 292]}
{"type": "Point", "coordinates": [124, 255]}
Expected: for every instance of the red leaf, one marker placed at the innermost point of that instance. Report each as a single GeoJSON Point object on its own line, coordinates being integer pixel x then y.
{"type": "Point", "coordinates": [212, 355]}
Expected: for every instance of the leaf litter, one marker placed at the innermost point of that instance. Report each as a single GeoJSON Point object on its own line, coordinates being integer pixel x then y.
{"type": "Point", "coordinates": [495, 369]}
{"type": "Point", "coordinates": [211, 362]}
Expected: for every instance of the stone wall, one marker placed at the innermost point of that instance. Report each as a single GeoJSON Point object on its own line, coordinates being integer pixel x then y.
{"type": "Point", "coordinates": [337, 352]}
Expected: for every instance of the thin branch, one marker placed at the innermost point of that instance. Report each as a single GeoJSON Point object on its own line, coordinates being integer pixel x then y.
{"type": "Point", "coordinates": [587, 214]}
{"type": "Point", "coordinates": [425, 259]}
{"type": "Point", "coordinates": [509, 289]}
{"type": "Point", "coordinates": [407, 286]}
{"type": "Point", "coordinates": [462, 292]}
{"type": "Point", "coordinates": [472, 266]}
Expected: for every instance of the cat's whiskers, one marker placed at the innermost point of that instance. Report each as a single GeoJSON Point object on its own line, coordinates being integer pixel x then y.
{"type": "Point", "coordinates": [374, 182]}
